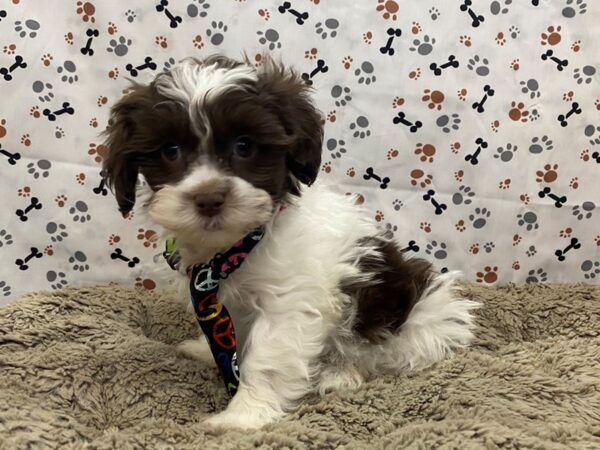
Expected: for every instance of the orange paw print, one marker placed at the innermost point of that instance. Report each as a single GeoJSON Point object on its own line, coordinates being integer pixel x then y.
{"type": "Point", "coordinates": [398, 102]}
{"type": "Point", "coordinates": [465, 40]}
{"type": "Point", "coordinates": [379, 216]}
{"type": "Point", "coordinates": [504, 184]}
{"type": "Point", "coordinates": [585, 155]}
{"type": "Point", "coordinates": [419, 177]}
{"type": "Point", "coordinates": [455, 147]}
{"type": "Point", "coordinates": [145, 283]}
{"type": "Point", "coordinates": [426, 227]}
{"type": "Point", "coordinates": [515, 65]}
{"type": "Point", "coordinates": [416, 28]}
{"type": "Point", "coordinates": [347, 62]}
{"type": "Point", "coordinates": [388, 8]}
{"type": "Point", "coordinates": [574, 183]}
{"type": "Point", "coordinates": [525, 198]}
{"type": "Point", "coordinates": [197, 41]}
{"type": "Point", "coordinates": [326, 167]}
{"type": "Point", "coordinates": [568, 96]}
{"type": "Point", "coordinates": [86, 11]}
{"type": "Point", "coordinates": [47, 59]}
{"type": "Point", "coordinates": [24, 192]}
{"type": "Point", "coordinates": [434, 99]}
{"type": "Point", "coordinates": [2, 128]}
{"type": "Point", "coordinates": [351, 172]}
{"type": "Point", "coordinates": [576, 46]}
{"type": "Point", "coordinates": [35, 112]}
{"type": "Point", "coordinates": [500, 39]}
{"type": "Point", "coordinates": [414, 74]}
{"type": "Point", "coordinates": [94, 122]}
{"type": "Point", "coordinates": [114, 239]}
{"type": "Point", "coordinates": [458, 175]}
{"type": "Point", "coordinates": [368, 37]}
{"type": "Point", "coordinates": [566, 233]}
{"type": "Point", "coordinates": [80, 178]}
{"type": "Point", "coordinates": [264, 13]}
{"type": "Point", "coordinates": [489, 275]}
{"type": "Point", "coordinates": [551, 36]}
{"type": "Point", "coordinates": [161, 41]}
{"type": "Point", "coordinates": [26, 140]}
{"type": "Point", "coordinates": [517, 112]}
{"type": "Point", "coordinates": [516, 240]}
{"type": "Point", "coordinates": [460, 225]}
{"type": "Point", "coordinates": [548, 174]}
{"type": "Point", "coordinates": [102, 100]}
{"type": "Point", "coordinates": [427, 152]}
{"type": "Point", "coordinates": [495, 125]}
{"type": "Point", "coordinates": [516, 265]}
{"type": "Point", "coordinates": [474, 249]}
{"type": "Point", "coordinates": [49, 250]}
{"type": "Point", "coordinates": [311, 54]}
{"type": "Point", "coordinates": [61, 200]}
{"type": "Point", "coordinates": [112, 28]}
{"type": "Point", "coordinates": [462, 94]}
{"type": "Point", "coordinates": [10, 49]}
{"type": "Point", "coordinates": [99, 152]}
{"type": "Point", "coordinates": [148, 237]}
{"type": "Point", "coordinates": [331, 116]}
{"type": "Point", "coordinates": [392, 153]}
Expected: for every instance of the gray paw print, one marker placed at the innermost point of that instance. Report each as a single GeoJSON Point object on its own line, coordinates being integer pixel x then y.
{"type": "Point", "coordinates": [4, 289]}
{"type": "Point", "coordinates": [434, 13]}
{"type": "Point", "coordinates": [168, 65]}
{"type": "Point", "coordinates": [438, 250]}
{"type": "Point", "coordinates": [591, 269]}
{"type": "Point", "coordinates": [397, 204]}
{"type": "Point", "coordinates": [489, 246]}
{"type": "Point", "coordinates": [336, 147]}
{"type": "Point", "coordinates": [590, 131]}
{"type": "Point", "coordinates": [479, 65]}
{"type": "Point", "coordinates": [79, 261]}
{"type": "Point", "coordinates": [328, 28]}
{"type": "Point", "coordinates": [119, 47]}
{"type": "Point", "coordinates": [56, 231]}
{"type": "Point", "coordinates": [514, 32]}
{"type": "Point", "coordinates": [424, 47]}
{"type": "Point", "coordinates": [497, 7]}
{"type": "Point", "coordinates": [271, 37]}
{"type": "Point", "coordinates": [360, 127]}
{"type": "Point", "coordinates": [5, 238]}
{"type": "Point", "coordinates": [341, 95]}
{"type": "Point", "coordinates": [216, 32]}
{"type": "Point", "coordinates": [584, 74]}
{"type": "Point", "coordinates": [41, 168]}
{"type": "Point", "coordinates": [506, 154]}
{"type": "Point", "coordinates": [531, 251]}
{"type": "Point", "coordinates": [44, 91]}
{"type": "Point", "coordinates": [57, 279]}
{"type": "Point", "coordinates": [538, 145]}
{"type": "Point", "coordinates": [448, 123]}
{"type": "Point", "coordinates": [463, 195]}
{"type": "Point", "coordinates": [130, 15]}
{"type": "Point", "coordinates": [389, 231]}
{"type": "Point", "coordinates": [365, 73]}
{"type": "Point", "coordinates": [59, 133]}
{"type": "Point", "coordinates": [479, 217]}
{"type": "Point", "coordinates": [198, 8]}
{"type": "Point", "coordinates": [528, 220]}
{"type": "Point", "coordinates": [30, 27]}
{"type": "Point", "coordinates": [574, 7]}
{"type": "Point", "coordinates": [68, 70]}
{"type": "Point", "coordinates": [79, 212]}
{"type": "Point", "coordinates": [536, 276]}
{"type": "Point", "coordinates": [584, 210]}
{"type": "Point", "coordinates": [531, 87]}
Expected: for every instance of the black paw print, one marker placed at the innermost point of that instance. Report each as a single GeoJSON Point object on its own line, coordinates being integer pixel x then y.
{"type": "Point", "coordinates": [479, 217]}
{"type": "Point", "coordinates": [41, 168]}
{"type": "Point", "coordinates": [68, 70]}
{"type": "Point", "coordinates": [80, 212]}
{"type": "Point", "coordinates": [360, 127]}
{"type": "Point", "coordinates": [341, 95]}
{"type": "Point", "coordinates": [365, 73]}
{"type": "Point", "coordinates": [79, 261]}
{"type": "Point", "coordinates": [57, 279]}
{"type": "Point", "coordinates": [336, 147]}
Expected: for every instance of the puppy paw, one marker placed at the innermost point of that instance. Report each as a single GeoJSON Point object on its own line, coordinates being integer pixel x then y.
{"type": "Point", "coordinates": [196, 349]}
{"type": "Point", "coordinates": [227, 419]}
{"type": "Point", "coordinates": [339, 379]}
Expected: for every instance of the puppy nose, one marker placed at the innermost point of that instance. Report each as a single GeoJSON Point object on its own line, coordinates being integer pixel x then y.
{"type": "Point", "coordinates": [209, 204]}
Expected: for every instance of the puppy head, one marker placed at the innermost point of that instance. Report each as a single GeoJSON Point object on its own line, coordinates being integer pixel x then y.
{"type": "Point", "coordinates": [219, 144]}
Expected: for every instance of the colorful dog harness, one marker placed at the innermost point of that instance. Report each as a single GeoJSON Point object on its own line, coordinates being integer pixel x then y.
{"type": "Point", "coordinates": [212, 316]}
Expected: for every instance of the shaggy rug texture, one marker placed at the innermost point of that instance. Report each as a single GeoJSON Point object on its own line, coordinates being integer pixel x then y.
{"type": "Point", "coordinates": [97, 369]}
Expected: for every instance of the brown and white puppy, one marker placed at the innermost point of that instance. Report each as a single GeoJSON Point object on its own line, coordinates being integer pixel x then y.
{"type": "Point", "coordinates": [325, 300]}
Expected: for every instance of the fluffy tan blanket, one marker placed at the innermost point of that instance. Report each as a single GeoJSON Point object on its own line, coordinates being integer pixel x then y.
{"type": "Point", "coordinates": [97, 369]}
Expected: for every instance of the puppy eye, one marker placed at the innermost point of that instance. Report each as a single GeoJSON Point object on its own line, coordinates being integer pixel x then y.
{"type": "Point", "coordinates": [244, 147]}
{"type": "Point", "coordinates": [171, 152]}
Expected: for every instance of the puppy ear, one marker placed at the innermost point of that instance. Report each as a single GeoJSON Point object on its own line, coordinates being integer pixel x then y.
{"type": "Point", "coordinates": [288, 95]}
{"type": "Point", "coordinates": [120, 168]}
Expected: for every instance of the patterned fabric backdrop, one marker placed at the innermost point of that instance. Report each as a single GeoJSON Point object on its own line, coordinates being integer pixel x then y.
{"type": "Point", "coordinates": [470, 130]}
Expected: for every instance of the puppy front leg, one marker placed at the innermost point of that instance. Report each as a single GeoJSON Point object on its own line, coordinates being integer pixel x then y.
{"type": "Point", "coordinates": [276, 370]}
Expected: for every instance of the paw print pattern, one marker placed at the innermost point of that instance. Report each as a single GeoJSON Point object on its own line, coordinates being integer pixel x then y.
{"type": "Point", "coordinates": [67, 71]}
{"type": "Point", "coordinates": [423, 46]}
{"type": "Point", "coordinates": [464, 196]}
{"type": "Point", "coordinates": [57, 231]}
{"type": "Point", "coordinates": [479, 65]}
{"type": "Point", "coordinates": [79, 212]}
{"type": "Point", "coordinates": [590, 269]}
{"type": "Point", "coordinates": [540, 144]}
{"type": "Point", "coordinates": [5, 238]}
{"type": "Point", "coordinates": [198, 8]}
{"type": "Point", "coordinates": [573, 8]}
{"type": "Point", "coordinates": [119, 47]}
{"type": "Point", "coordinates": [327, 28]}
{"type": "Point", "coordinates": [79, 261]}
{"type": "Point", "coordinates": [216, 32]}
{"type": "Point", "coordinates": [360, 127]}
{"type": "Point", "coordinates": [43, 90]}
{"type": "Point", "coordinates": [536, 276]}
{"type": "Point", "coordinates": [270, 37]}
{"type": "Point", "coordinates": [28, 28]}
{"type": "Point", "coordinates": [365, 73]}
{"type": "Point", "coordinates": [5, 289]}
{"type": "Point", "coordinates": [448, 122]}
{"type": "Point", "coordinates": [584, 74]}
{"type": "Point", "coordinates": [530, 87]}
{"type": "Point", "coordinates": [341, 95]}
{"type": "Point", "coordinates": [479, 217]}
{"type": "Point", "coordinates": [500, 7]}
{"type": "Point", "coordinates": [584, 211]}
{"type": "Point", "coordinates": [39, 169]}
{"type": "Point", "coordinates": [336, 148]}
{"type": "Point", "coordinates": [57, 280]}
{"type": "Point", "coordinates": [505, 154]}
{"type": "Point", "coordinates": [528, 220]}
{"type": "Point", "coordinates": [438, 250]}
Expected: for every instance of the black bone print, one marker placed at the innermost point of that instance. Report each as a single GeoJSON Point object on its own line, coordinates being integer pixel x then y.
{"type": "Point", "coordinates": [11, 158]}
{"type": "Point", "coordinates": [387, 48]}
{"type": "Point", "coordinates": [596, 157]}
{"type": "Point", "coordinates": [430, 197]}
{"type": "Point", "coordinates": [101, 188]}
{"type": "Point", "coordinates": [134, 70]}
{"type": "Point", "coordinates": [562, 118]}
{"type": "Point", "coordinates": [287, 7]}
{"type": "Point", "coordinates": [438, 69]}
{"type": "Point", "coordinates": [558, 201]}
{"type": "Point", "coordinates": [574, 244]}
{"type": "Point", "coordinates": [535, 2]}
{"type": "Point", "coordinates": [3, 14]}
{"type": "Point", "coordinates": [477, 19]}
{"type": "Point", "coordinates": [118, 254]}
{"type": "Point", "coordinates": [413, 127]}
{"type": "Point", "coordinates": [411, 247]}
{"type": "Point", "coordinates": [91, 34]}
{"type": "Point", "coordinates": [66, 109]}
{"type": "Point", "coordinates": [321, 68]}
{"type": "Point", "coordinates": [22, 262]}
{"type": "Point", "coordinates": [473, 157]}
{"type": "Point", "coordinates": [488, 92]}
{"type": "Point", "coordinates": [370, 173]}
{"type": "Point", "coordinates": [6, 72]}
{"type": "Point", "coordinates": [34, 204]}
{"type": "Point", "coordinates": [174, 20]}
{"type": "Point", "coordinates": [560, 63]}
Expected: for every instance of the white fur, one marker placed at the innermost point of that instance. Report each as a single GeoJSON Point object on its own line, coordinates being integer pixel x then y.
{"type": "Point", "coordinates": [288, 311]}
